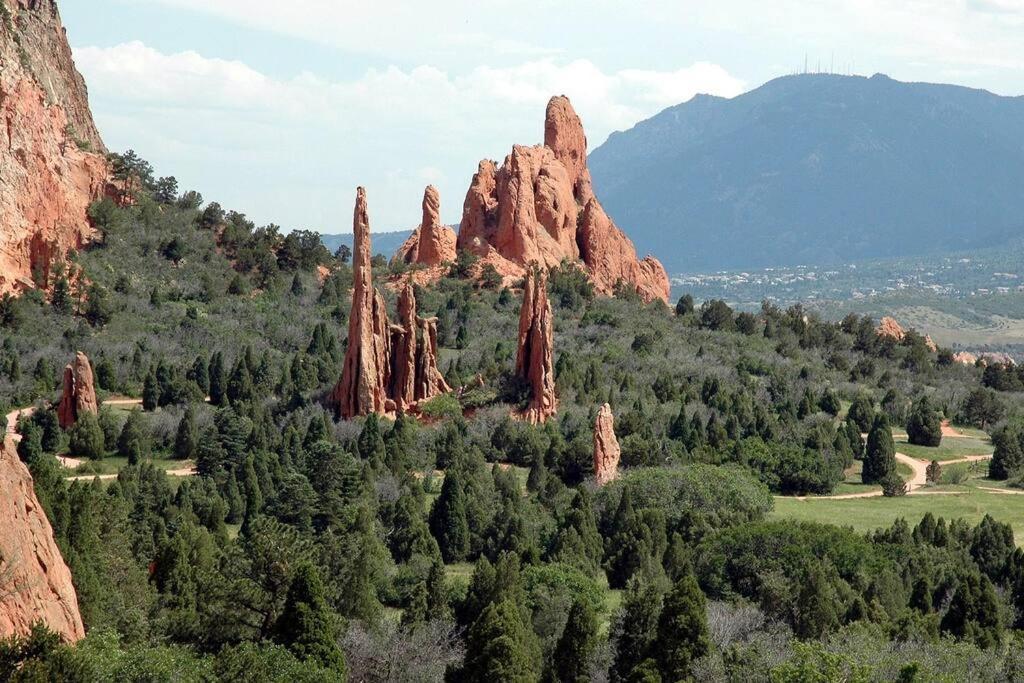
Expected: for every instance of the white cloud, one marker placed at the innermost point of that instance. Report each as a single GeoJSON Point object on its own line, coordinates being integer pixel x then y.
{"type": "Point", "coordinates": [279, 148]}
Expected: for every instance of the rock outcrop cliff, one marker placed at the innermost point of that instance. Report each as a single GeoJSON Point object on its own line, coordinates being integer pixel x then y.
{"type": "Point", "coordinates": [79, 391]}
{"type": "Point", "coordinates": [51, 156]}
{"type": "Point", "coordinates": [535, 350]}
{"type": "Point", "coordinates": [387, 367]}
{"type": "Point", "coordinates": [538, 207]}
{"type": "Point", "coordinates": [35, 583]}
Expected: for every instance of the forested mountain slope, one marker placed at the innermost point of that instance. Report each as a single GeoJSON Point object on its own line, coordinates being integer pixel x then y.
{"type": "Point", "coordinates": [818, 169]}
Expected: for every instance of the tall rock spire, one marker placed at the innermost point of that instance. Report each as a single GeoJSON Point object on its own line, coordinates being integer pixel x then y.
{"type": "Point", "coordinates": [365, 375]}
{"type": "Point", "coordinates": [78, 395]}
{"type": "Point", "coordinates": [606, 446]}
{"type": "Point", "coordinates": [535, 351]}
{"type": "Point", "coordinates": [432, 243]}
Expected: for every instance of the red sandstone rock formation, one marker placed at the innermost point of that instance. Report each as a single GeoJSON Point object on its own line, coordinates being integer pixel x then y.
{"type": "Point", "coordinates": [387, 366]}
{"type": "Point", "coordinates": [535, 352]}
{"type": "Point", "coordinates": [429, 380]}
{"type": "Point", "coordinates": [414, 375]}
{"type": "Point", "coordinates": [366, 374]}
{"type": "Point", "coordinates": [35, 583]}
{"type": "Point", "coordinates": [79, 393]}
{"type": "Point", "coordinates": [888, 327]}
{"type": "Point", "coordinates": [539, 207]}
{"type": "Point", "coordinates": [51, 156]}
{"type": "Point", "coordinates": [930, 344]}
{"type": "Point", "coordinates": [965, 357]}
{"type": "Point", "coordinates": [606, 447]}
{"type": "Point", "coordinates": [432, 243]}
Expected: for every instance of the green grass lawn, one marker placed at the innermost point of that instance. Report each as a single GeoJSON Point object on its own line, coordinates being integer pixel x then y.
{"type": "Point", "coordinates": [949, 449]}
{"type": "Point", "coordinates": [115, 463]}
{"type": "Point", "coordinates": [865, 514]}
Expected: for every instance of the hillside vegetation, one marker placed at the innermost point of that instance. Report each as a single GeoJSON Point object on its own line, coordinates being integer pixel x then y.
{"type": "Point", "coordinates": [464, 544]}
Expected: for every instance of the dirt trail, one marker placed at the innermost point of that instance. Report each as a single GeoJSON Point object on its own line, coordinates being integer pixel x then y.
{"type": "Point", "coordinates": [11, 439]}
{"type": "Point", "coordinates": [952, 433]}
{"type": "Point", "coordinates": [916, 483]}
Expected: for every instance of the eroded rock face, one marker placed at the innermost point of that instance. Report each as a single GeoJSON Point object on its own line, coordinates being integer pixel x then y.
{"type": "Point", "coordinates": [535, 350]}
{"type": "Point", "coordinates": [539, 207]}
{"type": "Point", "coordinates": [78, 395]}
{"type": "Point", "coordinates": [388, 367]}
{"type": "Point", "coordinates": [432, 243]}
{"type": "Point", "coordinates": [888, 327]}
{"type": "Point", "coordinates": [51, 155]}
{"type": "Point", "coordinates": [35, 582]}
{"type": "Point", "coordinates": [366, 374]}
{"type": "Point", "coordinates": [606, 447]}
{"type": "Point", "coordinates": [965, 358]}
{"type": "Point", "coordinates": [415, 376]}
{"type": "Point", "coordinates": [930, 344]}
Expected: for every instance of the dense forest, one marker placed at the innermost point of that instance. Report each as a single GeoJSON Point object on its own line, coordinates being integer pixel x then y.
{"type": "Point", "coordinates": [461, 544]}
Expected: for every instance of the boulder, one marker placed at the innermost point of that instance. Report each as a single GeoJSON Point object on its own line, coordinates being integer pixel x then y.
{"type": "Point", "coordinates": [535, 349]}
{"type": "Point", "coordinates": [79, 391]}
{"type": "Point", "coordinates": [606, 447]}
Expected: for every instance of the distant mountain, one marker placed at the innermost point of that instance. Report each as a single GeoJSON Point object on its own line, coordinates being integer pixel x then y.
{"type": "Point", "coordinates": [818, 169]}
{"type": "Point", "coordinates": [385, 243]}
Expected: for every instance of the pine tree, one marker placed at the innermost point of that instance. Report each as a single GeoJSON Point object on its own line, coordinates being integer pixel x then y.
{"type": "Point", "coordinates": [218, 389]}
{"type": "Point", "coordinates": [150, 391]}
{"type": "Point", "coordinates": [448, 522]}
{"type": "Point", "coordinates": [132, 442]}
{"type": "Point", "coordinates": [306, 625]}
{"type": "Point", "coordinates": [974, 613]}
{"type": "Point", "coordinates": [924, 428]}
{"type": "Point", "coordinates": [683, 635]}
{"type": "Point", "coordinates": [200, 374]}
{"type": "Point", "coordinates": [186, 439]}
{"type": "Point", "coordinates": [634, 629]}
{"type": "Point", "coordinates": [87, 437]}
{"type": "Point", "coordinates": [499, 647]}
{"type": "Point", "coordinates": [880, 454]}
{"type": "Point", "coordinates": [538, 475]}
{"type": "Point", "coordinates": [573, 652]}
{"type": "Point", "coordinates": [370, 443]}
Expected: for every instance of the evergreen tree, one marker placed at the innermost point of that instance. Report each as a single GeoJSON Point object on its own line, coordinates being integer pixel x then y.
{"type": "Point", "coordinates": [200, 375]}
{"type": "Point", "coordinates": [924, 428]}
{"type": "Point", "coordinates": [571, 658]}
{"type": "Point", "coordinates": [499, 647]}
{"type": "Point", "coordinates": [1008, 458]}
{"type": "Point", "coordinates": [370, 443]}
{"type": "Point", "coordinates": [133, 442]}
{"type": "Point", "coordinates": [683, 635]}
{"type": "Point", "coordinates": [880, 454]}
{"type": "Point", "coordinates": [862, 412]}
{"type": "Point", "coordinates": [448, 522]}
{"type": "Point", "coordinates": [186, 439]}
{"type": "Point", "coordinates": [635, 627]}
{"type": "Point", "coordinates": [306, 625]}
{"type": "Point", "coordinates": [150, 391]}
{"type": "Point", "coordinates": [975, 613]}
{"type": "Point", "coordinates": [218, 382]}
{"type": "Point", "coordinates": [86, 437]}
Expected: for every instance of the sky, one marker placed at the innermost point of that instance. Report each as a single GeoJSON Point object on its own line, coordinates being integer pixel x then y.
{"type": "Point", "coordinates": [280, 108]}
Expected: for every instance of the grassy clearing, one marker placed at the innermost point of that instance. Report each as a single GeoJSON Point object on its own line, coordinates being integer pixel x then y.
{"type": "Point", "coordinates": [865, 514]}
{"type": "Point", "coordinates": [115, 463]}
{"type": "Point", "coordinates": [949, 449]}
